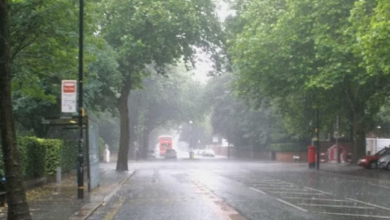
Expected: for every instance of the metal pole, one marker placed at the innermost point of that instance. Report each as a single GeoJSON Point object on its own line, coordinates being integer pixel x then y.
{"type": "Point", "coordinates": [337, 140]}
{"type": "Point", "coordinates": [318, 140]}
{"type": "Point", "coordinates": [80, 157]}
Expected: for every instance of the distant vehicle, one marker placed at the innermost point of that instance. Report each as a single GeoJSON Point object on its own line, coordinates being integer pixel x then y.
{"type": "Point", "coordinates": [151, 154]}
{"type": "Point", "coordinates": [371, 162]}
{"type": "Point", "coordinates": [384, 161]}
{"type": "Point", "coordinates": [165, 143]}
{"type": "Point", "coordinates": [198, 151]}
{"type": "Point", "coordinates": [208, 153]}
{"type": "Point", "coordinates": [170, 153]}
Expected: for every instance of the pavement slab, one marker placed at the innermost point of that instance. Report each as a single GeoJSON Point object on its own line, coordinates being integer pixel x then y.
{"type": "Point", "coordinates": [58, 201]}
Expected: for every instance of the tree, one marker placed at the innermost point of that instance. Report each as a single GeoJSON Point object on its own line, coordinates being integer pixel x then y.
{"type": "Point", "coordinates": [300, 51]}
{"type": "Point", "coordinates": [18, 207]}
{"type": "Point", "coordinates": [239, 121]}
{"type": "Point", "coordinates": [155, 33]}
{"type": "Point", "coordinates": [44, 50]}
{"type": "Point", "coordinates": [164, 101]}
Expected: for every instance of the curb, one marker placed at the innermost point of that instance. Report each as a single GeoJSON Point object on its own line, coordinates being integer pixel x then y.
{"type": "Point", "coordinates": [88, 209]}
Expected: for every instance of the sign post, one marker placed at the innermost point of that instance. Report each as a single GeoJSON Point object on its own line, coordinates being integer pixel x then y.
{"type": "Point", "coordinates": [68, 96]}
{"type": "Point", "coordinates": [80, 157]}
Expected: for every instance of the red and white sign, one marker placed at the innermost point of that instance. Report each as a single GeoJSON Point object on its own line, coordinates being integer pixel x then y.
{"type": "Point", "coordinates": [68, 96]}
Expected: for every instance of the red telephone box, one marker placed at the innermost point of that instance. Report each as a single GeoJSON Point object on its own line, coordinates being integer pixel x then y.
{"type": "Point", "coordinates": [311, 156]}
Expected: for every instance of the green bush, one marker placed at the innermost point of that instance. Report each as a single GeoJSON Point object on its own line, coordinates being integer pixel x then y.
{"type": "Point", "coordinates": [287, 147]}
{"type": "Point", "coordinates": [53, 154]}
{"type": "Point", "coordinates": [69, 156]}
{"type": "Point", "coordinates": [33, 156]}
{"type": "Point", "coordinates": [40, 157]}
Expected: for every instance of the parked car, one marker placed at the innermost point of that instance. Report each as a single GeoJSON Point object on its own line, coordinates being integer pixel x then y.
{"type": "Point", "coordinates": [151, 154]}
{"type": "Point", "coordinates": [170, 154]}
{"type": "Point", "coordinates": [384, 161]}
{"type": "Point", "coordinates": [208, 153]}
{"type": "Point", "coordinates": [371, 162]}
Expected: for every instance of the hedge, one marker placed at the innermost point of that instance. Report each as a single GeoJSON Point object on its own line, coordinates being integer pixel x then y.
{"type": "Point", "coordinates": [41, 157]}
{"type": "Point", "coordinates": [287, 147]}
{"type": "Point", "coordinates": [69, 156]}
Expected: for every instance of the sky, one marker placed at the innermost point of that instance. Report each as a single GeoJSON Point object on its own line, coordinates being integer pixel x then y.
{"type": "Point", "coordinates": [205, 66]}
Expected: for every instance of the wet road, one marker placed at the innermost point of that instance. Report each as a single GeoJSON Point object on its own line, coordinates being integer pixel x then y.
{"type": "Point", "coordinates": [222, 189]}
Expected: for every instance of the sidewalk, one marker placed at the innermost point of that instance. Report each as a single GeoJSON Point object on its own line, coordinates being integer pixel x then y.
{"type": "Point", "coordinates": [59, 201]}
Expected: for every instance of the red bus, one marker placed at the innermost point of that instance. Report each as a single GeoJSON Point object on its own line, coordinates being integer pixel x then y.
{"type": "Point", "coordinates": [165, 143]}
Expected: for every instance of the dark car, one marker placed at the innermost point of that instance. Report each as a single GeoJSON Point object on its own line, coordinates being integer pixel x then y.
{"type": "Point", "coordinates": [371, 162]}
{"type": "Point", "coordinates": [170, 154]}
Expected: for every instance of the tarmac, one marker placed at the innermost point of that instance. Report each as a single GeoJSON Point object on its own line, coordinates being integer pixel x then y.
{"type": "Point", "coordinates": [58, 201]}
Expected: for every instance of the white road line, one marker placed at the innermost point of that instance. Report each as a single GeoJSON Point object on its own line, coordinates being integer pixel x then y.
{"type": "Point", "coordinates": [298, 193]}
{"type": "Point", "coordinates": [336, 206]}
{"type": "Point", "coordinates": [386, 187]}
{"type": "Point", "coordinates": [317, 199]}
{"type": "Point", "coordinates": [274, 185]}
{"type": "Point", "coordinates": [258, 190]}
{"type": "Point", "coordinates": [318, 190]}
{"type": "Point", "coordinates": [288, 191]}
{"type": "Point", "coordinates": [292, 205]}
{"type": "Point", "coordinates": [272, 182]}
{"type": "Point", "coordinates": [356, 215]}
{"type": "Point", "coordinates": [274, 188]}
{"type": "Point", "coordinates": [367, 203]}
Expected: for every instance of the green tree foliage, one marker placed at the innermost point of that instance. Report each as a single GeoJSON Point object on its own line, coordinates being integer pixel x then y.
{"type": "Point", "coordinates": [44, 51]}
{"type": "Point", "coordinates": [156, 33]}
{"type": "Point", "coordinates": [300, 54]}
{"type": "Point", "coordinates": [238, 120]}
{"type": "Point", "coordinates": [164, 101]}
{"type": "Point", "coordinates": [18, 207]}
{"type": "Point", "coordinates": [371, 23]}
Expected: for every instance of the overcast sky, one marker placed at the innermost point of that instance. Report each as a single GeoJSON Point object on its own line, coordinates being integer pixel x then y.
{"type": "Point", "coordinates": [204, 66]}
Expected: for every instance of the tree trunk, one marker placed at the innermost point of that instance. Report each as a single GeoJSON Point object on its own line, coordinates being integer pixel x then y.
{"type": "Point", "coordinates": [145, 146]}
{"type": "Point", "coordinates": [132, 146]}
{"type": "Point", "coordinates": [17, 203]}
{"type": "Point", "coordinates": [359, 139]}
{"type": "Point", "coordinates": [124, 139]}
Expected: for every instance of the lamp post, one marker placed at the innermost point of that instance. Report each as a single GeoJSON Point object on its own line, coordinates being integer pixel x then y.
{"type": "Point", "coordinates": [191, 136]}
{"type": "Point", "coordinates": [80, 156]}
{"type": "Point", "coordinates": [317, 131]}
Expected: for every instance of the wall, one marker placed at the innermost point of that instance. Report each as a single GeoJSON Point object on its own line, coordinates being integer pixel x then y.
{"type": "Point", "coordinates": [288, 156]}
{"type": "Point", "coordinates": [257, 155]}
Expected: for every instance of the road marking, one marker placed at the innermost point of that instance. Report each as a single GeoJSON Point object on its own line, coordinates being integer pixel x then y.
{"type": "Point", "coordinates": [275, 185]}
{"type": "Point", "coordinates": [274, 188]}
{"type": "Point", "coordinates": [318, 190]}
{"type": "Point", "coordinates": [356, 215]}
{"type": "Point", "coordinates": [258, 190]}
{"type": "Point", "coordinates": [288, 191]}
{"type": "Point", "coordinates": [372, 184]}
{"type": "Point", "coordinates": [317, 199]}
{"type": "Point", "coordinates": [300, 193]}
{"type": "Point", "coordinates": [112, 213]}
{"type": "Point", "coordinates": [367, 203]}
{"type": "Point", "coordinates": [336, 206]}
{"type": "Point", "coordinates": [222, 209]}
{"type": "Point", "coordinates": [294, 206]}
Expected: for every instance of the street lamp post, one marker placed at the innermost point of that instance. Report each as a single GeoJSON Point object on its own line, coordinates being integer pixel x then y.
{"type": "Point", "coordinates": [318, 139]}
{"type": "Point", "coordinates": [191, 137]}
{"type": "Point", "coordinates": [80, 156]}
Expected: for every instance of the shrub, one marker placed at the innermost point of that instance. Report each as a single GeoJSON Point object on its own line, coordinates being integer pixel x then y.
{"type": "Point", "coordinates": [33, 156]}
{"type": "Point", "coordinates": [40, 157]}
{"type": "Point", "coordinates": [287, 147]}
{"type": "Point", "coordinates": [53, 154]}
{"type": "Point", "coordinates": [69, 156]}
